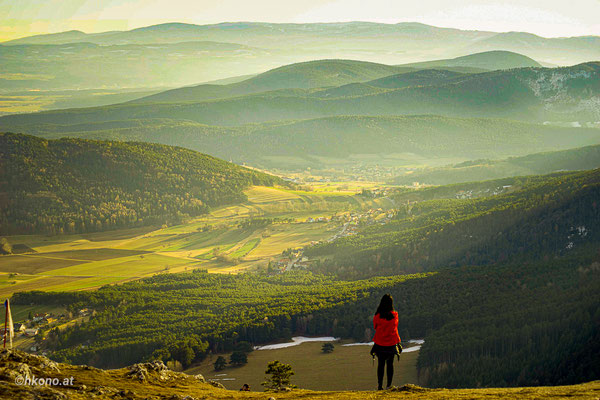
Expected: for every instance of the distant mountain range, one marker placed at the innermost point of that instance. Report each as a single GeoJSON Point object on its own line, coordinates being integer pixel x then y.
{"type": "Point", "coordinates": [175, 54]}
{"type": "Point", "coordinates": [530, 94]}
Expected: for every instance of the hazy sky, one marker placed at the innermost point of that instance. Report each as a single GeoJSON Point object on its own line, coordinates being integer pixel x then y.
{"type": "Point", "coordinates": [548, 18]}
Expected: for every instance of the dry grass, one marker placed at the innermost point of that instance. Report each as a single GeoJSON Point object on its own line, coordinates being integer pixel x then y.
{"type": "Point", "coordinates": [346, 368]}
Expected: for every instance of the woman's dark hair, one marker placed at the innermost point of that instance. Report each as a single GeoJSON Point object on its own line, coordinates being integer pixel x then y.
{"type": "Point", "coordinates": [386, 306]}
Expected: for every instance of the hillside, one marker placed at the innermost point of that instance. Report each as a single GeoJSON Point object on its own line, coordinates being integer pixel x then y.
{"type": "Point", "coordinates": [155, 381]}
{"type": "Point", "coordinates": [497, 216]}
{"type": "Point", "coordinates": [342, 138]}
{"type": "Point", "coordinates": [307, 75]}
{"type": "Point", "coordinates": [485, 169]}
{"type": "Point", "coordinates": [490, 60]}
{"type": "Point", "coordinates": [422, 77]}
{"type": "Point", "coordinates": [72, 185]}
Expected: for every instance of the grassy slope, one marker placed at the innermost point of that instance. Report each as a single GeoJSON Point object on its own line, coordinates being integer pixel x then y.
{"type": "Point", "coordinates": [104, 385]}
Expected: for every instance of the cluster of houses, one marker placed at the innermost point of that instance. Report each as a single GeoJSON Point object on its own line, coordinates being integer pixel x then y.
{"type": "Point", "coordinates": [311, 220]}
{"type": "Point", "coordinates": [470, 194]}
{"type": "Point", "coordinates": [38, 320]}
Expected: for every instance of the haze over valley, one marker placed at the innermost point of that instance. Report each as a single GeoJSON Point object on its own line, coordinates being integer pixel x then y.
{"type": "Point", "coordinates": [187, 198]}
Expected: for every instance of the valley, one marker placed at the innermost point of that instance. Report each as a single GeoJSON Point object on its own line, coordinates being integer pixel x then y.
{"type": "Point", "coordinates": [181, 199]}
{"type": "Point", "coordinates": [249, 236]}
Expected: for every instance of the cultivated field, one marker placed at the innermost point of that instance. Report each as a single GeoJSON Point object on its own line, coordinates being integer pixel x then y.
{"type": "Point", "coordinates": [217, 242]}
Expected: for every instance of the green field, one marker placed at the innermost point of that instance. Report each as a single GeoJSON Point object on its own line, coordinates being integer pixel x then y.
{"type": "Point", "coordinates": [88, 261]}
{"type": "Point", "coordinates": [346, 368]}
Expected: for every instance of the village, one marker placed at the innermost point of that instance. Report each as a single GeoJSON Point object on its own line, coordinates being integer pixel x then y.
{"type": "Point", "coordinates": [351, 223]}
{"type": "Point", "coordinates": [30, 335]}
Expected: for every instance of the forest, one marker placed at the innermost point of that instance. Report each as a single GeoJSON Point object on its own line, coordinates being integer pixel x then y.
{"type": "Point", "coordinates": [77, 186]}
{"type": "Point", "coordinates": [518, 307]}
{"type": "Point", "coordinates": [533, 217]}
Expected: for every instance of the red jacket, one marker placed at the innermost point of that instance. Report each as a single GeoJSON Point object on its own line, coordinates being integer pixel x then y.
{"type": "Point", "coordinates": [386, 332]}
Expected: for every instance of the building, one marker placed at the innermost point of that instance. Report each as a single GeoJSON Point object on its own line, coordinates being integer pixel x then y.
{"type": "Point", "coordinates": [31, 332]}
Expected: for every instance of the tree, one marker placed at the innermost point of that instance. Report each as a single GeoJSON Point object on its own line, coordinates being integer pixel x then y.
{"type": "Point", "coordinates": [220, 363]}
{"type": "Point", "coordinates": [327, 347]}
{"type": "Point", "coordinates": [5, 246]}
{"type": "Point", "coordinates": [280, 376]}
{"type": "Point", "coordinates": [238, 358]}
{"type": "Point", "coordinates": [244, 346]}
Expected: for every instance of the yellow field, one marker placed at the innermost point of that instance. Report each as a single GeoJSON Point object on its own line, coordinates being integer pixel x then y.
{"type": "Point", "coordinates": [346, 368]}
{"type": "Point", "coordinates": [88, 261]}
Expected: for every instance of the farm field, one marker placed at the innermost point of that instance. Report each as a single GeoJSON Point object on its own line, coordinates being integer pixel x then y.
{"type": "Point", "coordinates": [220, 242]}
{"type": "Point", "coordinates": [346, 368]}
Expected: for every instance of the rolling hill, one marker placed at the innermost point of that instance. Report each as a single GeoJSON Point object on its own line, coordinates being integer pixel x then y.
{"type": "Point", "coordinates": [307, 75]}
{"type": "Point", "coordinates": [530, 94]}
{"type": "Point", "coordinates": [489, 60]}
{"type": "Point", "coordinates": [482, 169]}
{"type": "Point", "coordinates": [73, 185]}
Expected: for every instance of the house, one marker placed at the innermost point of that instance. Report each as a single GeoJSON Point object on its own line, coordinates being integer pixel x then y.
{"type": "Point", "coordinates": [31, 332]}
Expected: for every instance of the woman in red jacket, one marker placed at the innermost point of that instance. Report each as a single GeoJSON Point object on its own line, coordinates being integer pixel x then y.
{"type": "Point", "coordinates": [386, 339]}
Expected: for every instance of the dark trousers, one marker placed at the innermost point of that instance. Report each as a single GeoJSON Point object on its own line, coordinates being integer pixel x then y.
{"type": "Point", "coordinates": [383, 360]}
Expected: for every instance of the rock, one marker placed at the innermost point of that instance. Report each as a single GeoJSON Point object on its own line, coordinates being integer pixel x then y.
{"type": "Point", "coordinates": [141, 371]}
{"type": "Point", "coordinates": [200, 377]}
{"type": "Point", "coordinates": [180, 397]}
{"type": "Point", "coordinates": [409, 387]}
{"type": "Point", "coordinates": [271, 398]}
{"type": "Point", "coordinates": [216, 384]}
{"type": "Point", "coordinates": [48, 364]}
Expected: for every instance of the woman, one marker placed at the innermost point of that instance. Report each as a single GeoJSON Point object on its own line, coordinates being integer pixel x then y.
{"type": "Point", "coordinates": [386, 339]}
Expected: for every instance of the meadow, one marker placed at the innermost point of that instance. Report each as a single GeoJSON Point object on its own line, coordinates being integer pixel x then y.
{"type": "Point", "coordinates": [346, 368]}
